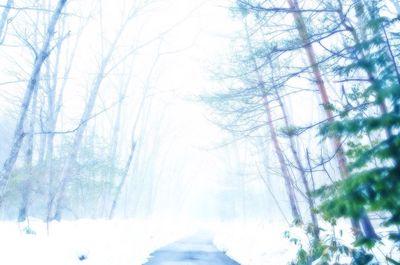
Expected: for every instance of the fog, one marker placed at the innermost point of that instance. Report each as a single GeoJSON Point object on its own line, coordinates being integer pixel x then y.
{"type": "Point", "coordinates": [184, 165]}
{"type": "Point", "coordinates": [202, 131]}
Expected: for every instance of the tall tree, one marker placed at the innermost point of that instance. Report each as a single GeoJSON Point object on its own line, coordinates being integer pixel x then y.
{"type": "Point", "coordinates": [374, 167]}
{"type": "Point", "coordinates": [368, 229]}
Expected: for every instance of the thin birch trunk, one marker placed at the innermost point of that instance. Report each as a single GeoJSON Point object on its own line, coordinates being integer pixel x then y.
{"type": "Point", "coordinates": [110, 179]}
{"type": "Point", "coordinates": [284, 169]}
{"type": "Point", "coordinates": [123, 180]}
{"type": "Point", "coordinates": [54, 102]}
{"type": "Point", "coordinates": [128, 163]}
{"type": "Point", "coordinates": [28, 181]}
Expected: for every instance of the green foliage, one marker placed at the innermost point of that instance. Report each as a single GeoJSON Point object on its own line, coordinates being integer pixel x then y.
{"type": "Point", "coordinates": [361, 257]}
{"type": "Point", "coordinates": [356, 126]}
{"type": "Point", "coordinates": [374, 190]}
{"type": "Point", "coordinates": [29, 231]}
{"type": "Point", "coordinates": [371, 128]}
{"type": "Point", "coordinates": [328, 250]}
{"type": "Point", "coordinates": [291, 131]}
{"type": "Point", "coordinates": [94, 175]}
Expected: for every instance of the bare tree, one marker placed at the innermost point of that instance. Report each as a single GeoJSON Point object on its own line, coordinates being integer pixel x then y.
{"type": "Point", "coordinates": [59, 195]}
{"type": "Point", "coordinates": [19, 132]}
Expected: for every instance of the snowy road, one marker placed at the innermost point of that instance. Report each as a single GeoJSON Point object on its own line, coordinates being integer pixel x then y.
{"type": "Point", "coordinates": [197, 249]}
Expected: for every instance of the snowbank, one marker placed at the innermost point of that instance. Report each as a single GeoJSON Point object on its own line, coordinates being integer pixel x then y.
{"type": "Point", "coordinates": [88, 242]}
{"type": "Point", "coordinates": [255, 243]}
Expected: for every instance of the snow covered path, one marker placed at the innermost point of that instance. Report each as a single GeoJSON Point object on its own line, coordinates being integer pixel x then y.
{"type": "Point", "coordinates": [197, 249]}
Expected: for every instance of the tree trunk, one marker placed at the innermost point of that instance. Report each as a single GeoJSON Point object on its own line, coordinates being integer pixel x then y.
{"type": "Point", "coordinates": [109, 178]}
{"type": "Point", "coordinates": [302, 30]}
{"type": "Point", "coordinates": [123, 180]}
{"type": "Point", "coordinates": [50, 127]}
{"type": "Point", "coordinates": [128, 161]}
{"type": "Point", "coordinates": [27, 181]}
{"type": "Point", "coordinates": [284, 169]}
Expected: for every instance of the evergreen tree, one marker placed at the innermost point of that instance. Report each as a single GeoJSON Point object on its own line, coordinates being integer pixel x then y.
{"type": "Point", "coordinates": [374, 183]}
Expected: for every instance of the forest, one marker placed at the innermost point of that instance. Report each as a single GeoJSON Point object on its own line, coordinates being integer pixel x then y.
{"type": "Point", "coordinates": [273, 123]}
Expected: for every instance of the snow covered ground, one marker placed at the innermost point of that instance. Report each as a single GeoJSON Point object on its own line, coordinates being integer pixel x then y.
{"type": "Point", "coordinates": [255, 243]}
{"type": "Point", "coordinates": [130, 242]}
{"type": "Point", "coordinates": [100, 242]}
{"type": "Point", "coordinates": [123, 242]}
